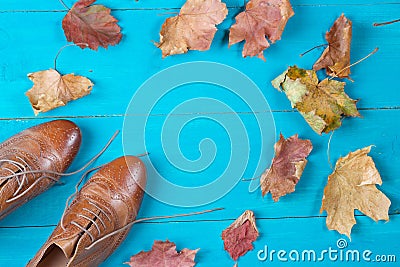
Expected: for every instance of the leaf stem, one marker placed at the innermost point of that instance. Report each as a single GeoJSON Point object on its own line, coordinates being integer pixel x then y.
{"type": "Point", "coordinates": [386, 23]}
{"type": "Point", "coordinates": [143, 155]}
{"type": "Point", "coordinates": [62, 3]}
{"type": "Point", "coordinates": [355, 63]}
{"type": "Point", "coordinates": [311, 49]}
{"type": "Point", "coordinates": [62, 48]}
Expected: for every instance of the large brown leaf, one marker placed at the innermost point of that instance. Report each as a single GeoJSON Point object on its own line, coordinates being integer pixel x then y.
{"type": "Point", "coordinates": [260, 19]}
{"type": "Point", "coordinates": [51, 90]}
{"type": "Point", "coordinates": [240, 235]}
{"type": "Point", "coordinates": [352, 185]}
{"type": "Point", "coordinates": [287, 166]}
{"type": "Point", "coordinates": [194, 27]}
{"type": "Point", "coordinates": [322, 104]}
{"type": "Point", "coordinates": [163, 254]}
{"type": "Point", "coordinates": [336, 57]}
{"type": "Point", "coordinates": [92, 25]}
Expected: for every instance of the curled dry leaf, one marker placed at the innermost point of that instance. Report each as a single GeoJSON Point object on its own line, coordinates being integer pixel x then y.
{"type": "Point", "coordinates": [164, 254]}
{"type": "Point", "coordinates": [336, 57]}
{"type": "Point", "coordinates": [51, 89]}
{"type": "Point", "coordinates": [194, 27]}
{"type": "Point", "coordinates": [240, 235]}
{"type": "Point", "coordinates": [287, 166]}
{"type": "Point", "coordinates": [92, 25]}
{"type": "Point", "coordinates": [322, 104]}
{"type": "Point", "coordinates": [260, 19]}
{"type": "Point", "coordinates": [352, 185]}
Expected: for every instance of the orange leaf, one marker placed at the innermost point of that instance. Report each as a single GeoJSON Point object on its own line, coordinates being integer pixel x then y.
{"type": "Point", "coordinates": [336, 57]}
{"type": "Point", "coordinates": [51, 90]}
{"type": "Point", "coordinates": [261, 18]}
{"type": "Point", "coordinates": [194, 27]}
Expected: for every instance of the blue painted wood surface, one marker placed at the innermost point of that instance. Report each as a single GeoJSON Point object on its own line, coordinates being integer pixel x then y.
{"type": "Point", "coordinates": [30, 36]}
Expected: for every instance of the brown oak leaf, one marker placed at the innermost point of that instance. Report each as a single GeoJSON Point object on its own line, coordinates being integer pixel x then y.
{"type": "Point", "coordinates": [261, 18]}
{"type": "Point", "coordinates": [194, 27]}
{"type": "Point", "coordinates": [352, 185]}
{"type": "Point", "coordinates": [91, 25]}
{"type": "Point", "coordinates": [51, 89]}
{"type": "Point", "coordinates": [336, 57]}
{"type": "Point", "coordinates": [164, 254]}
{"type": "Point", "coordinates": [240, 235]}
{"type": "Point", "coordinates": [287, 166]}
{"type": "Point", "coordinates": [321, 103]}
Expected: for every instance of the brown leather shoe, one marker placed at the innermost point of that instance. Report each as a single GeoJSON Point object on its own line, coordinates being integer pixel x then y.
{"type": "Point", "coordinates": [50, 146]}
{"type": "Point", "coordinates": [108, 201]}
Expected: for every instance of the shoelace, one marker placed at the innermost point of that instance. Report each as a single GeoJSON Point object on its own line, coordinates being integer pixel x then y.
{"type": "Point", "coordinates": [102, 211]}
{"type": "Point", "coordinates": [93, 221]}
{"type": "Point", "coordinates": [24, 169]}
{"type": "Point", "coordinates": [21, 176]}
{"type": "Point", "coordinates": [96, 216]}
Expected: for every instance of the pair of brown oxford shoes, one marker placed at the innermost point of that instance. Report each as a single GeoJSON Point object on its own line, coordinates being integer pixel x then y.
{"type": "Point", "coordinates": [99, 217]}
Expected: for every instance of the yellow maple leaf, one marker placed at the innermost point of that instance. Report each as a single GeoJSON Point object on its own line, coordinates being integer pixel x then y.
{"type": "Point", "coordinates": [52, 90]}
{"type": "Point", "coordinates": [352, 185]}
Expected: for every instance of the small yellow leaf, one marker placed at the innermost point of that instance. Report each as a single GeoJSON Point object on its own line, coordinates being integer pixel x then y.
{"type": "Point", "coordinates": [51, 89]}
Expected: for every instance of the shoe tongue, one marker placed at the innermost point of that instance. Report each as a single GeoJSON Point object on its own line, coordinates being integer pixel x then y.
{"type": "Point", "coordinates": [69, 245]}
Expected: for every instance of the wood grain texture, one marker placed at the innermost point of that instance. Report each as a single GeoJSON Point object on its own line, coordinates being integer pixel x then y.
{"type": "Point", "coordinates": [31, 35]}
{"type": "Point", "coordinates": [300, 234]}
{"type": "Point", "coordinates": [122, 69]}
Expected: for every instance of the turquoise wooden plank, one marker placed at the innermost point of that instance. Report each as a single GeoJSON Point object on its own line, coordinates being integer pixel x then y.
{"type": "Point", "coordinates": [299, 234]}
{"type": "Point", "coordinates": [117, 76]}
{"type": "Point", "coordinates": [9, 5]}
{"type": "Point", "coordinates": [374, 128]}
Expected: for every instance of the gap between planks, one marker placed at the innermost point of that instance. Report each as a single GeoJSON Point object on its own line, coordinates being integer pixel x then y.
{"type": "Point", "coordinates": [178, 8]}
{"type": "Point", "coordinates": [203, 220]}
{"type": "Point", "coordinates": [176, 114]}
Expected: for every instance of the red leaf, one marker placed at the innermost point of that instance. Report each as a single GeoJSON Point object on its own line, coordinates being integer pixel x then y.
{"type": "Point", "coordinates": [240, 235]}
{"type": "Point", "coordinates": [164, 254]}
{"type": "Point", "coordinates": [287, 166]}
{"type": "Point", "coordinates": [92, 25]}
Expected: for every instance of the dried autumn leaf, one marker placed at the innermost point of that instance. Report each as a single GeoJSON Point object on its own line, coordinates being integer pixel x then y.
{"type": "Point", "coordinates": [336, 57]}
{"type": "Point", "coordinates": [261, 18]}
{"type": "Point", "coordinates": [92, 25]}
{"type": "Point", "coordinates": [287, 166]}
{"type": "Point", "coordinates": [164, 254]}
{"type": "Point", "coordinates": [51, 90]}
{"type": "Point", "coordinates": [240, 235]}
{"type": "Point", "coordinates": [322, 104]}
{"type": "Point", "coordinates": [352, 186]}
{"type": "Point", "coordinates": [194, 27]}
